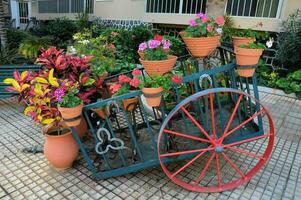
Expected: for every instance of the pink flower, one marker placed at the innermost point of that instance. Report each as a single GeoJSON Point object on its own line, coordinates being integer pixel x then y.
{"type": "Point", "coordinates": [209, 28]}
{"type": "Point", "coordinates": [135, 82]}
{"type": "Point", "coordinates": [177, 79]}
{"type": "Point", "coordinates": [204, 19]}
{"type": "Point", "coordinates": [153, 44]}
{"type": "Point", "coordinates": [114, 88]}
{"type": "Point", "coordinates": [192, 22]}
{"type": "Point", "coordinates": [220, 20]}
{"type": "Point", "coordinates": [124, 79]}
{"type": "Point", "coordinates": [142, 46]}
{"type": "Point", "coordinates": [58, 94]}
{"type": "Point", "coordinates": [136, 72]}
{"type": "Point", "coordinates": [200, 15]}
{"type": "Point", "coordinates": [166, 44]}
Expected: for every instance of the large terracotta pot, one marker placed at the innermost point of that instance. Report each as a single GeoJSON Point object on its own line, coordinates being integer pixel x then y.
{"type": "Point", "coordinates": [60, 150]}
{"type": "Point", "coordinates": [71, 116]}
{"type": "Point", "coordinates": [247, 57]}
{"type": "Point", "coordinates": [237, 41]}
{"type": "Point", "coordinates": [130, 104]}
{"type": "Point", "coordinates": [158, 68]}
{"type": "Point", "coordinates": [153, 96]}
{"type": "Point", "coordinates": [201, 46]}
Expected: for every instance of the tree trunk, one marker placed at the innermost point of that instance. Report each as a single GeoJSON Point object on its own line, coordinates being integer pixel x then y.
{"type": "Point", "coordinates": [4, 16]}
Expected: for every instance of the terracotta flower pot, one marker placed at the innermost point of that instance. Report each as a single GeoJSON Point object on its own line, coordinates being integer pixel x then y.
{"type": "Point", "coordinates": [81, 129]}
{"type": "Point", "coordinates": [237, 41]}
{"type": "Point", "coordinates": [101, 112]}
{"type": "Point", "coordinates": [71, 116]}
{"type": "Point", "coordinates": [130, 104]}
{"type": "Point", "coordinates": [158, 68]}
{"type": "Point", "coordinates": [141, 54]}
{"type": "Point", "coordinates": [60, 150]}
{"type": "Point", "coordinates": [201, 46]}
{"type": "Point", "coordinates": [247, 57]}
{"type": "Point", "coordinates": [153, 96]}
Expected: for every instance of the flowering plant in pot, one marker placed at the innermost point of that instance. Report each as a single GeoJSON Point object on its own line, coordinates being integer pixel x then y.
{"type": "Point", "coordinates": [156, 60]}
{"type": "Point", "coordinates": [202, 35]}
{"type": "Point", "coordinates": [125, 85]}
{"type": "Point", "coordinates": [247, 57]}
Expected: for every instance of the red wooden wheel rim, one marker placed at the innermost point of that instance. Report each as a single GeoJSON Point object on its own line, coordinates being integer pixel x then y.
{"type": "Point", "coordinates": [215, 142]}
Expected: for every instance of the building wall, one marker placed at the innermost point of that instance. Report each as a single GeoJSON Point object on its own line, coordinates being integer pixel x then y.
{"type": "Point", "coordinates": [134, 10]}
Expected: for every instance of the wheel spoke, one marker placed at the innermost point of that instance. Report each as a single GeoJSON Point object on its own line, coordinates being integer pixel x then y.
{"type": "Point", "coordinates": [186, 152]}
{"type": "Point", "coordinates": [231, 117]}
{"type": "Point", "coordinates": [197, 124]}
{"type": "Point", "coordinates": [204, 170]}
{"type": "Point", "coordinates": [187, 164]}
{"type": "Point", "coordinates": [219, 179]}
{"type": "Point", "coordinates": [245, 152]}
{"type": "Point", "coordinates": [242, 124]}
{"type": "Point", "coordinates": [247, 140]}
{"type": "Point", "coordinates": [185, 135]}
{"type": "Point", "coordinates": [233, 164]}
{"type": "Point", "coordinates": [212, 116]}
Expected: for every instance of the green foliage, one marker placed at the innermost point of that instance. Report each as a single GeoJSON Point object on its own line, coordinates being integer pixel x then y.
{"type": "Point", "coordinates": [258, 35]}
{"type": "Point", "coordinates": [228, 29]}
{"type": "Point", "coordinates": [289, 42]}
{"type": "Point", "coordinates": [157, 81]}
{"type": "Point", "coordinates": [15, 37]}
{"type": "Point", "coordinates": [291, 83]}
{"type": "Point", "coordinates": [82, 20]}
{"type": "Point", "coordinates": [155, 54]}
{"type": "Point", "coordinates": [30, 47]}
{"type": "Point", "coordinates": [266, 76]}
{"type": "Point", "coordinates": [253, 46]}
{"type": "Point", "coordinates": [177, 46]}
{"type": "Point", "coordinates": [70, 100]}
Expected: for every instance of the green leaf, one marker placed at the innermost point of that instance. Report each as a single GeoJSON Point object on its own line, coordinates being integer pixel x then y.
{"type": "Point", "coordinates": [89, 82]}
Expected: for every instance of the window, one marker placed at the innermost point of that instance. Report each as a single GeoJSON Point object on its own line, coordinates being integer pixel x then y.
{"type": "Point", "coordinates": [176, 6]}
{"type": "Point", "coordinates": [65, 6]}
{"type": "Point", "coordinates": [253, 8]}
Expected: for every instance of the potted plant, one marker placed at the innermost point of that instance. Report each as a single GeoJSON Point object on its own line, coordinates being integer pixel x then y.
{"type": "Point", "coordinates": [202, 36]}
{"type": "Point", "coordinates": [247, 57]}
{"type": "Point", "coordinates": [125, 85]}
{"type": "Point", "coordinates": [156, 60]}
{"type": "Point", "coordinates": [244, 36]}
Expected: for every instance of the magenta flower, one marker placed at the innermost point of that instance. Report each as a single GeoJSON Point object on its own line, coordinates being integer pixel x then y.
{"type": "Point", "coordinates": [142, 46]}
{"type": "Point", "coordinates": [200, 15]}
{"type": "Point", "coordinates": [192, 22]}
{"type": "Point", "coordinates": [153, 44]}
{"type": "Point", "coordinates": [166, 44]}
{"type": "Point", "coordinates": [58, 94]}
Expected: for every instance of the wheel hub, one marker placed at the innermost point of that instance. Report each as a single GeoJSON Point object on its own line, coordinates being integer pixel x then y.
{"type": "Point", "coordinates": [219, 149]}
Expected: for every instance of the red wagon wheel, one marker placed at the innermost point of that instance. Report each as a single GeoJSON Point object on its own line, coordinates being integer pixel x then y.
{"type": "Point", "coordinates": [223, 156]}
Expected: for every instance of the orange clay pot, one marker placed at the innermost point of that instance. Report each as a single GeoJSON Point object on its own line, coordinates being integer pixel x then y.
{"type": "Point", "coordinates": [101, 112]}
{"type": "Point", "coordinates": [201, 46]}
{"type": "Point", "coordinates": [160, 67]}
{"type": "Point", "coordinates": [141, 54]}
{"type": "Point", "coordinates": [237, 41]}
{"type": "Point", "coordinates": [153, 96]}
{"type": "Point", "coordinates": [247, 57]}
{"type": "Point", "coordinates": [81, 129]}
{"type": "Point", "coordinates": [60, 150]}
{"type": "Point", "coordinates": [71, 116]}
{"type": "Point", "coordinates": [130, 104]}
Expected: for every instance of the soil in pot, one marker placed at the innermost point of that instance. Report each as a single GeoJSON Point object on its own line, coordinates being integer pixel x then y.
{"type": "Point", "coordinates": [153, 96]}
{"type": "Point", "coordinates": [60, 148]}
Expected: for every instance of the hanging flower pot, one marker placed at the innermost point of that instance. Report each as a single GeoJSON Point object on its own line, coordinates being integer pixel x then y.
{"type": "Point", "coordinates": [60, 148]}
{"type": "Point", "coordinates": [247, 59]}
{"type": "Point", "coordinates": [141, 54]}
{"type": "Point", "coordinates": [153, 96]}
{"type": "Point", "coordinates": [201, 47]}
{"type": "Point", "coordinates": [72, 116]}
{"type": "Point", "coordinates": [160, 67]}
{"type": "Point", "coordinates": [237, 41]}
{"type": "Point", "coordinates": [130, 104]}
{"type": "Point", "coordinates": [102, 112]}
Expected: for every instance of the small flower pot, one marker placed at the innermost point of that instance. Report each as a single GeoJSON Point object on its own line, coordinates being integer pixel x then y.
{"type": "Point", "coordinates": [160, 67]}
{"type": "Point", "coordinates": [141, 54]}
{"type": "Point", "coordinates": [246, 59]}
{"type": "Point", "coordinates": [59, 150]}
{"type": "Point", "coordinates": [81, 129]}
{"type": "Point", "coordinates": [72, 116]}
{"type": "Point", "coordinates": [101, 112]}
{"type": "Point", "coordinates": [153, 96]}
{"type": "Point", "coordinates": [130, 104]}
{"type": "Point", "coordinates": [201, 47]}
{"type": "Point", "coordinates": [237, 41]}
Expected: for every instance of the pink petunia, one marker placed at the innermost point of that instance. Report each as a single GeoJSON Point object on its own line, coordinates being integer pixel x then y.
{"type": "Point", "coordinates": [200, 15]}
{"type": "Point", "coordinates": [166, 44]}
{"type": "Point", "coordinates": [220, 20]}
{"type": "Point", "coordinates": [114, 88]}
{"type": "Point", "coordinates": [135, 82]}
{"type": "Point", "coordinates": [136, 72]}
{"type": "Point", "coordinates": [209, 28]}
{"type": "Point", "coordinates": [124, 79]}
{"type": "Point", "coordinates": [142, 46]}
{"type": "Point", "coordinates": [192, 22]}
{"type": "Point", "coordinates": [177, 79]}
{"type": "Point", "coordinates": [153, 44]}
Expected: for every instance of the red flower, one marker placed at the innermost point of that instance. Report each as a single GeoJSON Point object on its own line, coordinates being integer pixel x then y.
{"type": "Point", "coordinates": [209, 28]}
{"type": "Point", "coordinates": [136, 72]}
{"type": "Point", "coordinates": [114, 88]}
{"type": "Point", "coordinates": [135, 82]}
{"type": "Point", "coordinates": [124, 79]}
{"type": "Point", "coordinates": [158, 37]}
{"type": "Point", "coordinates": [220, 20]}
{"type": "Point", "coordinates": [177, 79]}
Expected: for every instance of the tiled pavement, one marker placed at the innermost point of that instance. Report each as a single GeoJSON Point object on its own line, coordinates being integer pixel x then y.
{"type": "Point", "coordinates": [28, 176]}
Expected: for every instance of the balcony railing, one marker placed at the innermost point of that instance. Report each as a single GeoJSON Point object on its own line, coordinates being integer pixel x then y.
{"type": "Point", "coordinates": [175, 6]}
